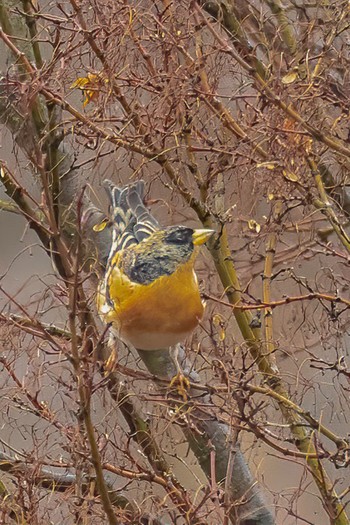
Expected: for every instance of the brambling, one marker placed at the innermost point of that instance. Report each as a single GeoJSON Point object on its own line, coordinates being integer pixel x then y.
{"type": "Point", "coordinates": [149, 292]}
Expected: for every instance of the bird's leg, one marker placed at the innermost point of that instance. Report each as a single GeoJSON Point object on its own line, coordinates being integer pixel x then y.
{"type": "Point", "coordinates": [111, 362]}
{"type": "Point", "coordinates": [180, 380]}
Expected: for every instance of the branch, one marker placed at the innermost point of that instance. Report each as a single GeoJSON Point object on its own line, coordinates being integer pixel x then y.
{"type": "Point", "coordinates": [225, 15]}
{"type": "Point", "coordinates": [267, 277]}
{"type": "Point", "coordinates": [54, 481]}
{"type": "Point", "coordinates": [207, 437]}
{"type": "Point", "coordinates": [285, 25]}
{"type": "Point", "coordinates": [286, 300]}
{"type": "Point", "coordinates": [325, 205]}
{"type": "Point", "coordinates": [262, 86]}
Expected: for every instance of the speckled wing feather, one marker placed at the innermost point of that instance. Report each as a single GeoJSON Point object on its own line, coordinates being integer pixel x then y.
{"type": "Point", "coordinates": [131, 222]}
{"type": "Point", "coordinates": [122, 218]}
{"type": "Point", "coordinates": [146, 224]}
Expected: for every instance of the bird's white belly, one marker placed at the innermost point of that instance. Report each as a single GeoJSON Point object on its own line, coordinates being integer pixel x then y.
{"type": "Point", "coordinates": [152, 340]}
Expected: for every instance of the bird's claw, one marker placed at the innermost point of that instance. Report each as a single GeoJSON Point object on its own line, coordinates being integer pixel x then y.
{"type": "Point", "coordinates": [182, 385]}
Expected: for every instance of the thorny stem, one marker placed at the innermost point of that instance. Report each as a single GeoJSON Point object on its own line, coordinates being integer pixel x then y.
{"type": "Point", "coordinates": [340, 442]}
{"type": "Point", "coordinates": [329, 41]}
{"type": "Point", "coordinates": [139, 428]}
{"type": "Point", "coordinates": [303, 440]}
{"type": "Point", "coordinates": [142, 433]}
{"type": "Point", "coordinates": [226, 270]}
{"type": "Point", "coordinates": [225, 15]}
{"type": "Point", "coordinates": [47, 478]}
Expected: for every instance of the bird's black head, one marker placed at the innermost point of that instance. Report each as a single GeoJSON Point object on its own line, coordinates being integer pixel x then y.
{"type": "Point", "coordinates": [162, 253]}
{"type": "Point", "coordinates": [179, 236]}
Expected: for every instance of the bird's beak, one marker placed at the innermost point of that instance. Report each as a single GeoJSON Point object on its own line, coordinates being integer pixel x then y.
{"type": "Point", "coordinates": [201, 236]}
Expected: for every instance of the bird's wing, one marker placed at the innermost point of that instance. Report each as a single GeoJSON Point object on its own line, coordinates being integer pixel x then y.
{"type": "Point", "coordinates": [131, 223]}
{"type": "Point", "coordinates": [131, 220]}
{"type": "Point", "coordinates": [121, 216]}
{"type": "Point", "coordinates": [146, 224]}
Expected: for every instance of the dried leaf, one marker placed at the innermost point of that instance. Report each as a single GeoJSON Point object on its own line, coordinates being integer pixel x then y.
{"type": "Point", "coordinates": [253, 225]}
{"type": "Point", "coordinates": [290, 77]}
{"type": "Point", "coordinates": [111, 363]}
{"type": "Point", "coordinates": [218, 321]}
{"type": "Point", "coordinates": [100, 226]}
{"type": "Point", "coordinates": [267, 165]}
{"type": "Point", "coordinates": [90, 85]}
{"type": "Point", "coordinates": [222, 334]}
{"type": "Point", "coordinates": [289, 175]}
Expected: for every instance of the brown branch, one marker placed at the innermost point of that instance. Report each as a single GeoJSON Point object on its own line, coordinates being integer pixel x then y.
{"type": "Point", "coordinates": [287, 300]}
{"type": "Point", "coordinates": [325, 205]}
{"type": "Point", "coordinates": [262, 85]}
{"type": "Point", "coordinates": [224, 13]}
{"type": "Point", "coordinates": [53, 481]}
{"type": "Point", "coordinates": [34, 327]}
{"type": "Point", "coordinates": [342, 443]}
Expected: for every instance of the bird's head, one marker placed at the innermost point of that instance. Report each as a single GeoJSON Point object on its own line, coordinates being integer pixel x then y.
{"type": "Point", "coordinates": [163, 252]}
{"type": "Point", "coordinates": [183, 236]}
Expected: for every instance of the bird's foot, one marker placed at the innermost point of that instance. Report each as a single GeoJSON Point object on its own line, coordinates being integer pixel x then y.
{"type": "Point", "coordinates": [182, 385]}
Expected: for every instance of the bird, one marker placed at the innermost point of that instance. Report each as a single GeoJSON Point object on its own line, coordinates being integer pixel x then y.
{"type": "Point", "coordinates": [149, 293]}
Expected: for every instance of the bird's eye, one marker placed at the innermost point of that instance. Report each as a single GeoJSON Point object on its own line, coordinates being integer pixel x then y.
{"type": "Point", "coordinates": [183, 236]}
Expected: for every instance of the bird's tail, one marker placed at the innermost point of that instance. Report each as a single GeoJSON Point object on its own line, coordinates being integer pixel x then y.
{"type": "Point", "coordinates": [131, 220]}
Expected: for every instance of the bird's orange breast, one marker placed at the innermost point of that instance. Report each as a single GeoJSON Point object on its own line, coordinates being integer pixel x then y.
{"type": "Point", "coordinates": [156, 315]}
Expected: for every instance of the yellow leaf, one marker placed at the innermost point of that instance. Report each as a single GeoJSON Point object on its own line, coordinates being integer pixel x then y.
{"type": "Point", "coordinates": [308, 146]}
{"type": "Point", "coordinates": [267, 165]}
{"type": "Point", "coordinates": [90, 85]}
{"type": "Point", "coordinates": [219, 322]}
{"type": "Point", "coordinates": [270, 196]}
{"type": "Point", "coordinates": [222, 334]}
{"type": "Point", "coordinates": [289, 175]}
{"type": "Point", "coordinates": [80, 82]}
{"type": "Point", "coordinates": [217, 319]}
{"type": "Point", "coordinates": [290, 77]}
{"type": "Point", "coordinates": [253, 225]}
{"type": "Point", "coordinates": [111, 362]}
{"type": "Point", "coordinates": [100, 226]}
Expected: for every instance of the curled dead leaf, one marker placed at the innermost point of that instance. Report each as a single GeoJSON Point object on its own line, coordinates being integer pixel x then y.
{"type": "Point", "coordinates": [290, 77]}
